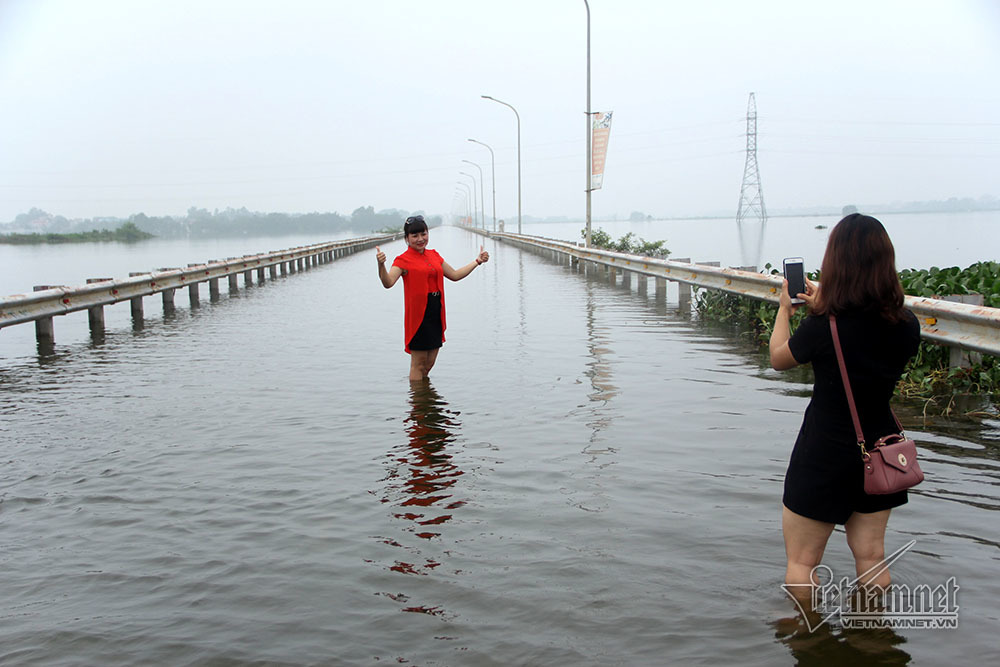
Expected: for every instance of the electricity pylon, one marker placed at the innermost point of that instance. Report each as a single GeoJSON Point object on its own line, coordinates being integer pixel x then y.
{"type": "Point", "coordinates": [751, 215]}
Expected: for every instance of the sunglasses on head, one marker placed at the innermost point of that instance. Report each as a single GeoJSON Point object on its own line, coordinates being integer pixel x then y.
{"type": "Point", "coordinates": [415, 218]}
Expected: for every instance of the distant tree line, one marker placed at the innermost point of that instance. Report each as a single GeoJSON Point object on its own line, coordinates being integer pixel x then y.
{"type": "Point", "coordinates": [202, 223]}
{"type": "Point", "coordinates": [127, 233]}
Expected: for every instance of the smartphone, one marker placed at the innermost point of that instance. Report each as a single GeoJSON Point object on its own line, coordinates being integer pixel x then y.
{"type": "Point", "coordinates": [796, 277]}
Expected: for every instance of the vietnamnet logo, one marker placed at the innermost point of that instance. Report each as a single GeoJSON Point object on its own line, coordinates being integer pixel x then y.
{"type": "Point", "coordinates": [897, 606]}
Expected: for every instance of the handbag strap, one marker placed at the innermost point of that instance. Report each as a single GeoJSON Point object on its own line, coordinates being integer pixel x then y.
{"type": "Point", "coordinates": [847, 387]}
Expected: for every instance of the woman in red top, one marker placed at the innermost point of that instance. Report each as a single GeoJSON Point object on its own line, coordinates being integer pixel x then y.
{"type": "Point", "coordinates": [423, 271]}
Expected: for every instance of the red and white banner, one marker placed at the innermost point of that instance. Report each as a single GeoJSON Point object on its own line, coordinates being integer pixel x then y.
{"type": "Point", "coordinates": [600, 130]}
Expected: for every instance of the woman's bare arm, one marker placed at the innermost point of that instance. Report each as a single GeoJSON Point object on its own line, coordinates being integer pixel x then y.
{"type": "Point", "coordinates": [781, 354]}
{"type": "Point", "coordinates": [457, 274]}
{"type": "Point", "coordinates": [390, 276]}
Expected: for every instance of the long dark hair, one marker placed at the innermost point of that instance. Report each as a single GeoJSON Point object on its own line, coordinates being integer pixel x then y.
{"type": "Point", "coordinates": [859, 270]}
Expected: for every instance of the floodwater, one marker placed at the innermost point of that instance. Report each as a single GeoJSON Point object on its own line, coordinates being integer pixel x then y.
{"type": "Point", "coordinates": [921, 240]}
{"type": "Point", "coordinates": [589, 478]}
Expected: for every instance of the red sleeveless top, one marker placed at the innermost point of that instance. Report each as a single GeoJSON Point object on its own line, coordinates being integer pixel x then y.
{"type": "Point", "coordinates": [423, 276]}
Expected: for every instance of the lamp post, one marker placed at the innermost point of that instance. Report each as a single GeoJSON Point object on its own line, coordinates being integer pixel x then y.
{"type": "Point", "coordinates": [461, 198]}
{"type": "Point", "coordinates": [493, 177]}
{"type": "Point", "coordinates": [487, 97]}
{"type": "Point", "coordinates": [482, 200]}
{"type": "Point", "coordinates": [468, 196]}
{"type": "Point", "coordinates": [474, 211]}
{"type": "Point", "coordinates": [588, 116]}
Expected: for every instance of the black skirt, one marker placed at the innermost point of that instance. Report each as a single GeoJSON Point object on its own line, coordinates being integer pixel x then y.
{"type": "Point", "coordinates": [825, 476]}
{"type": "Point", "coordinates": [429, 336]}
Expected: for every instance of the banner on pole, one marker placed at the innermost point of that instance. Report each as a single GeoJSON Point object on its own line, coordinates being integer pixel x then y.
{"type": "Point", "coordinates": [600, 130]}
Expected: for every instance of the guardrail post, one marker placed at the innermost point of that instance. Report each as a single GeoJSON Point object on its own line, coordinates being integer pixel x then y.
{"type": "Point", "coordinates": [684, 291]}
{"type": "Point", "coordinates": [260, 276]}
{"type": "Point", "coordinates": [248, 278]}
{"type": "Point", "coordinates": [44, 330]}
{"type": "Point", "coordinates": [193, 290]}
{"type": "Point", "coordinates": [273, 271]}
{"type": "Point", "coordinates": [136, 301]}
{"type": "Point", "coordinates": [957, 357]}
{"type": "Point", "coordinates": [661, 289]}
{"type": "Point", "coordinates": [213, 284]}
{"type": "Point", "coordinates": [168, 294]}
{"type": "Point", "coordinates": [233, 285]}
{"type": "Point", "coordinates": [684, 297]}
{"type": "Point", "coordinates": [95, 314]}
{"type": "Point", "coordinates": [168, 300]}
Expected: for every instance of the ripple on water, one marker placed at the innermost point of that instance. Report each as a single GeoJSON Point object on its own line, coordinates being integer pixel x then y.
{"type": "Point", "coordinates": [590, 478]}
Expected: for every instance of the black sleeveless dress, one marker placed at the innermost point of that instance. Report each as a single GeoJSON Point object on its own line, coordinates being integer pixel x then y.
{"type": "Point", "coordinates": [824, 480]}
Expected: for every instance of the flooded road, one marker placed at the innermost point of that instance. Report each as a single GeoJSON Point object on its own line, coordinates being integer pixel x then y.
{"type": "Point", "coordinates": [590, 478]}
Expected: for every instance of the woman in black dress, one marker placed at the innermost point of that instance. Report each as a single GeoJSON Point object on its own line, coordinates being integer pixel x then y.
{"type": "Point", "coordinates": [824, 483]}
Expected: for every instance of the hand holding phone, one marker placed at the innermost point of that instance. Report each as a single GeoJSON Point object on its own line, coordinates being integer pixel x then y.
{"type": "Point", "coordinates": [796, 277]}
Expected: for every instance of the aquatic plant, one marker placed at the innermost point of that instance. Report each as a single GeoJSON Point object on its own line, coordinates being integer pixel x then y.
{"type": "Point", "coordinates": [629, 243]}
{"type": "Point", "coordinates": [929, 374]}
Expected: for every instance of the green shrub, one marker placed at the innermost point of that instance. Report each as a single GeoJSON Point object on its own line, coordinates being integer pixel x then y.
{"type": "Point", "coordinates": [928, 375]}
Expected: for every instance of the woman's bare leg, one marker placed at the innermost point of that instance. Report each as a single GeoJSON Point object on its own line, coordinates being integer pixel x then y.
{"type": "Point", "coordinates": [421, 363]}
{"type": "Point", "coordinates": [805, 542]}
{"type": "Point", "coordinates": [432, 356]}
{"type": "Point", "coordinates": [866, 538]}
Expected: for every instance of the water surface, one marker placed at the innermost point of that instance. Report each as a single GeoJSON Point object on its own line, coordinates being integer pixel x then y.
{"type": "Point", "coordinates": [590, 478]}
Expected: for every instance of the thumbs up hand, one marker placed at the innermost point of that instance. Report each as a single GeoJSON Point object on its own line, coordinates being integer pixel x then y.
{"type": "Point", "coordinates": [379, 255]}
{"type": "Point", "coordinates": [483, 256]}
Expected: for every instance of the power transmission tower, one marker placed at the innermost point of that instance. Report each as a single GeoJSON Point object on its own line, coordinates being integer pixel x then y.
{"type": "Point", "coordinates": [751, 215]}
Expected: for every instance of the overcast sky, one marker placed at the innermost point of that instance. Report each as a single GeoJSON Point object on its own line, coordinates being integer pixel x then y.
{"type": "Point", "coordinates": [118, 107]}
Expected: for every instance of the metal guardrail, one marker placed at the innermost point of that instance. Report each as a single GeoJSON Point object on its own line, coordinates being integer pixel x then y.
{"type": "Point", "coordinates": [960, 325]}
{"type": "Point", "coordinates": [47, 302]}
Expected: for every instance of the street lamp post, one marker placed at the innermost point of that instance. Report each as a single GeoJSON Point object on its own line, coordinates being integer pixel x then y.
{"type": "Point", "coordinates": [493, 177]}
{"type": "Point", "coordinates": [468, 196]}
{"type": "Point", "coordinates": [482, 200]}
{"type": "Point", "coordinates": [461, 197]}
{"type": "Point", "coordinates": [487, 97]}
{"type": "Point", "coordinates": [590, 148]}
{"type": "Point", "coordinates": [474, 210]}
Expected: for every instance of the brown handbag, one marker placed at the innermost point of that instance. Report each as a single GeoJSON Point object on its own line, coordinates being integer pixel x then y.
{"type": "Point", "coordinates": [891, 464]}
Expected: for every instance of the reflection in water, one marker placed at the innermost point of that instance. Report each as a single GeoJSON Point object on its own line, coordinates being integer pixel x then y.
{"type": "Point", "coordinates": [828, 645]}
{"type": "Point", "coordinates": [419, 483]}
{"type": "Point", "coordinates": [522, 328]}
{"type": "Point", "coordinates": [600, 368]}
{"type": "Point", "coordinates": [429, 473]}
{"type": "Point", "coordinates": [751, 233]}
{"type": "Point", "coordinates": [600, 413]}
